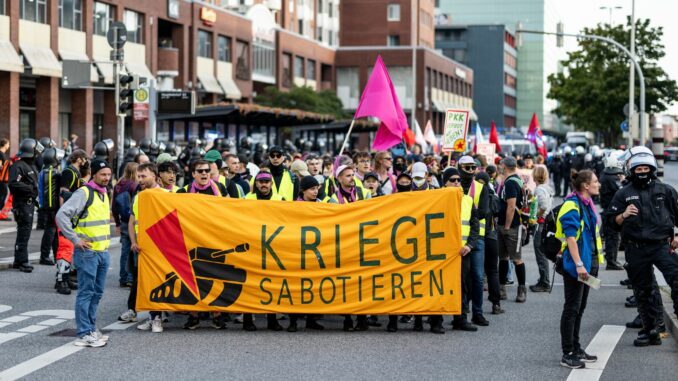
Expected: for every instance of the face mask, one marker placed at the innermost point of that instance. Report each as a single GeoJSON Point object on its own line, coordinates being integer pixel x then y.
{"type": "Point", "coordinates": [403, 188]}
{"type": "Point", "coordinates": [400, 167]}
{"type": "Point", "coordinates": [466, 175]}
{"type": "Point", "coordinates": [641, 179]}
{"type": "Point", "coordinates": [419, 182]}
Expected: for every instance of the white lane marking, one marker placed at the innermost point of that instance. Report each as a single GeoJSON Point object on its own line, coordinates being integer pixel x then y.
{"type": "Point", "coordinates": [15, 319]}
{"type": "Point", "coordinates": [3, 325]}
{"type": "Point", "coordinates": [61, 314]}
{"type": "Point", "coordinates": [51, 322]}
{"type": "Point", "coordinates": [35, 256]}
{"type": "Point", "coordinates": [4, 308]}
{"type": "Point", "coordinates": [32, 328]}
{"type": "Point", "coordinates": [5, 337]}
{"type": "Point", "coordinates": [602, 345]}
{"type": "Point", "coordinates": [29, 366]}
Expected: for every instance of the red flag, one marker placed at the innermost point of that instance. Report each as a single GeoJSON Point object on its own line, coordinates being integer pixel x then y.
{"type": "Point", "coordinates": [379, 100]}
{"type": "Point", "coordinates": [494, 137]}
{"type": "Point", "coordinates": [409, 137]}
{"type": "Point", "coordinates": [534, 135]}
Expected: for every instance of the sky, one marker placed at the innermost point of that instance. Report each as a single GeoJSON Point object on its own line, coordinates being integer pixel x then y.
{"type": "Point", "coordinates": [577, 14]}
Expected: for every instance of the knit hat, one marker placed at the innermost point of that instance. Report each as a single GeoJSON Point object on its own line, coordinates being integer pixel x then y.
{"type": "Point", "coordinates": [308, 182]}
{"type": "Point", "coordinates": [449, 172]}
{"type": "Point", "coordinates": [97, 165]}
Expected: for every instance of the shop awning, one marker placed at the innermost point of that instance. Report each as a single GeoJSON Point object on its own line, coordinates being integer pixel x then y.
{"type": "Point", "coordinates": [106, 70]}
{"type": "Point", "coordinates": [79, 56]}
{"type": "Point", "coordinates": [210, 84]}
{"type": "Point", "coordinates": [42, 60]}
{"type": "Point", "coordinates": [140, 70]}
{"type": "Point", "coordinates": [439, 106]}
{"type": "Point", "coordinates": [225, 79]}
{"type": "Point", "coordinates": [9, 58]}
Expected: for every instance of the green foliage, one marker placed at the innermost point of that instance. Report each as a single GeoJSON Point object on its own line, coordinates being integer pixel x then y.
{"type": "Point", "coordinates": [594, 85]}
{"type": "Point", "coordinates": [303, 98]}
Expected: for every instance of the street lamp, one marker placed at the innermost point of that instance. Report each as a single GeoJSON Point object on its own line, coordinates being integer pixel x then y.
{"type": "Point", "coordinates": [611, 9]}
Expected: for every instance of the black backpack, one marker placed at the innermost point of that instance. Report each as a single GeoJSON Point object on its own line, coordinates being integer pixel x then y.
{"type": "Point", "coordinates": [550, 245]}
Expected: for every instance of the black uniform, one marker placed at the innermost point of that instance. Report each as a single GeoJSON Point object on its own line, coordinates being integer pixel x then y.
{"type": "Point", "coordinates": [23, 184]}
{"type": "Point", "coordinates": [646, 238]}
{"type": "Point", "coordinates": [555, 167]}
{"type": "Point", "coordinates": [565, 168]}
{"type": "Point", "coordinates": [49, 205]}
{"type": "Point", "coordinates": [609, 185]}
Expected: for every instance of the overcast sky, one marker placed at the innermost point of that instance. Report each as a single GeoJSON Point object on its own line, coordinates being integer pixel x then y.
{"type": "Point", "coordinates": [577, 14]}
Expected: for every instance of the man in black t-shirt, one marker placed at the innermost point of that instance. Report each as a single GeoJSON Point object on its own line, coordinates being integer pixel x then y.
{"type": "Point", "coordinates": [510, 229]}
{"type": "Point", "coordinates": [70, 176]}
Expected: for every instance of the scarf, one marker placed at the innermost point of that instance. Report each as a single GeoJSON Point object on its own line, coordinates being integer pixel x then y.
{"type": "Point", "coordinates": [588, 203]}
{"type": "Point", "coordinates": [96, 187]}
{"type": "Point", "coordinates": [195, 187]}
{"type": "Point", "coordinates": [350, 195]}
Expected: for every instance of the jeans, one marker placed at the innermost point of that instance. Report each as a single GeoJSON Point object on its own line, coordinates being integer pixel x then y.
{"type": "Point", "coordinates": [542, 262]}
{"type": "Point", "coordinates": [92, 268]}
{"type": "Point", "coordinates": [492, 269]}
{"type": "Point", "coordinates": [23, 214]}
{"type": "Point", "coordinates": [477, 275]}
{"type": "Point", "coordinates": [576, 296]}
{"type": "Point", "coordinates": [465, 288]}
{"type": "Point", "coordinates": [126, 244]}
{"type": "Point", "coordinates": [50, 241]}
{"type": "Point", "coordinates": [132, 265]}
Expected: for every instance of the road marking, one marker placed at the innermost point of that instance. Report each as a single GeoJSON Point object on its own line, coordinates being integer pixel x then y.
{"type": "Point", "coordinates": [32, 328]}
{"type": "Point", "coordinates": [15, 319]}
{"type": "Point", "coordinates": [602, 345]}
{"type": "Point", "coordinates": [4, 308]}
{"type": "Point", "coordinates": [51, 322]}
{"type": "Point", "coordinates": [5, 337]}
{"type": "Point", "coordinates": [29, 366]}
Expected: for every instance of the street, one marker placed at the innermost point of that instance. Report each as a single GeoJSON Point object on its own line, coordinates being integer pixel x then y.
{"type": "Point", "coordinates": [37, 330]}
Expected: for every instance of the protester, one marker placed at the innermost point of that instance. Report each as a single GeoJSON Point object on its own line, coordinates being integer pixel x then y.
{"type": "Point", "coordinates": [544, 196]}
{"type": "Point", "coordinates": [371, 182]}
{"type": "Point", "coordinates": [383, 164]}
{"type": "Point", "coordinates": [363, 166]}
{"type": "Point", "coordinates": [491, 246]}
{"type": "Point", "coordinates": [123, 193]}
{"type": "Point", "coordinates": [167, 172]}
{"type": "Point", "coordinates": [284, 182]}
{"type": "Point", "coordinates": [404, 182]}
{"type": "Point", "coordinates": [233, 172]}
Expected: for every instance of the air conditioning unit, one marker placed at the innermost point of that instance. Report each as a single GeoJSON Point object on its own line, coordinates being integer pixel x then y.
{"type": "Point", "coordinates": [274, 5]}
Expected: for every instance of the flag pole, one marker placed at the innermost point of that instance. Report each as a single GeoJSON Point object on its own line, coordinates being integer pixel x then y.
{"type": "Point", "coordinates": [348, 134]}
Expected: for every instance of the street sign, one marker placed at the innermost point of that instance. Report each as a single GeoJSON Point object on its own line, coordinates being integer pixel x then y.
{"type": "Point", "coordinates": [176, 102]}
{"type": "Point", "coordinates": [117, 40]}
{"type": "Point", "coordinates": [76, 74]}
{"type": "Point", "coordinates": [456, 126]}
{"type": "Point", "coordinates": [625, 126]}
{"type": "Point", "coordinates": [141, 103]}
{"type": "Point", "coordinates": [626, 109]}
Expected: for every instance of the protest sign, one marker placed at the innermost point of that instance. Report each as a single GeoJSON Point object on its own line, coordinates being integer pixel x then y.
{"type": "Point", "coordinates": [487, 150]}
{"type": "Point", "coordinates": [456, 126]}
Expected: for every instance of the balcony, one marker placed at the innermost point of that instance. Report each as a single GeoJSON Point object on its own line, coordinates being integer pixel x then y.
{"type": "Point", "coordinates": [168, 59]}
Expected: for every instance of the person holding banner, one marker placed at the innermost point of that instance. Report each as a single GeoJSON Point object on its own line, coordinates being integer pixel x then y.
{"type": "Point", "coordinates": [202, 182]}
{"type": "Point", "coordinates": [262, 188]}
{"type": "Point", "coordinates": [284, 183]}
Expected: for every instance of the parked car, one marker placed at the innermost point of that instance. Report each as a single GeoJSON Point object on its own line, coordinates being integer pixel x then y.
{"type": "Point", "coordinates": [671, 153]}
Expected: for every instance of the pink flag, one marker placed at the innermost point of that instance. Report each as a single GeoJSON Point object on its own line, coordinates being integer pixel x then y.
{"type": "Point", "coordinates": [379, 100]}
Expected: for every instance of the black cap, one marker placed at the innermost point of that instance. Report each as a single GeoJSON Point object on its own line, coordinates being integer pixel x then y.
{"type": "Point", "coordinates": [98, 165]}
{"type": "Point", "coordinates": [372, 175]}
{"type": "Point", "coordinates": [276, 149]}
{"type": "Point", "coordinates": [308, 182]}
{"type": "Point", "coordinates": [528, 156]}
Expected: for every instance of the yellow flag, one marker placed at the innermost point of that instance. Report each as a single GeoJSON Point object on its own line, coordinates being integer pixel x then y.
{"type": "Point", "coordinates": [397, 254]}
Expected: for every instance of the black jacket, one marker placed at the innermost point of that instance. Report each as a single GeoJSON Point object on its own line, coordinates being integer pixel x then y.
{"type": "Point", "coordinates": [23, 181]}
{"type": "Point", "coordinates": [657, 206]}
{"type": "Point", "coordinates": [609, 185]}
{"type": "Point", "coordinates": [473, 237]}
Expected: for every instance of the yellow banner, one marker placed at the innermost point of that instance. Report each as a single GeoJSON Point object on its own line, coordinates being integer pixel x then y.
{"type": "Point", "coordinates": [397, 254]}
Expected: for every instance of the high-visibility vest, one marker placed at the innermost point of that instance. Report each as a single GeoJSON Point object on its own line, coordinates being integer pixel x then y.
{"type": "Point", "coordinates": [286, 190]}
{"type": "Point", "coordinates": [568, 206]}
{"type": "Point", "coordinates": [253, 196]}
{"type": "Point", "coordinates": [94, 225]}
{"type": "Point", "coordinates": [173, 190]}
{"type": "Point", "coordinates": [330, 185]}
{"type": "Point", "coordinates": [476, 189]}
{"type": "Point", "coordinates": [360, 192]}
{"type": "Point", "coordinates": [135, 208]}
{"type": "Point", "coordinates": [466, 209]}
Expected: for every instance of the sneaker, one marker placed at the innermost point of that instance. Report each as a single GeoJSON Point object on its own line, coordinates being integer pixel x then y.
{"type": "Point", "coordinates": [572, 361]}
{"type": "Point", "coordinates": [539, 287]}
{"type": "Point", "coordinates": [480, 321]}
{"type": "Point", "coordinates": [644, 339]}
{"type": "Point", "coordinates": [156, 325]}
{"type": "Point", "coordinates": [637, 323]}
{"type": "Point", "coordinates": [405, 319]}
{"type": "Point", "coordinates": [99, 335]}
{"type": "Point", "coordinates": [218, 322]}
{"type": "Point", "coordinates": [62, 288]}
{"type": "Point", "coordinates": [496, 309]}
{"type": "Point", "coordinates": [614, 266]}
{"type": "Point", "coordinates": [192, 323]}
{"type": "Point", "coordinates": [128, 316]}
{"type": "Point", "coordinates": [89, 341]}
{"type": "Point", "coordinates": [585, 357]}
{"type": "Point", "coordinates": [238, 319]}
{"type": "Point", "coordinates": [145, 326]}
{"type": "Point", "coordinates": [464, 326]}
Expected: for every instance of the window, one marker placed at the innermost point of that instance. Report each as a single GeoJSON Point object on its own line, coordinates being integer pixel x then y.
{"type": "Point", "coordinates": [510, 60]}
{"type": "Point", "coordinates": [242, 66]}
{"type": "Point", "coordinates": [320, 6]}
{"type": "Point", "coordinates": [2, 7]}
{"type": "Point", "coordinates": [224, 53]}
{"type": "Point", "coordinates": [393, 41]}
{"type": "Point", "coordinates": [287, 70]}
{"type": "Point", "coordinates": [299, 67]}
{"type": "Point", "coordinates": [204, 44]}
{"type": "Point", "coordinates": [459, 55]}
{"type": "Point", "coordinates": [393, 12]}
{"type": "Point", "coordinates": [509, 80]}
{"type": "Point", "coordinates": [70, 14]}
{"type": "Point", "coordinates": [319, 36]}
{"type": "Point", "coordinates": [134, 22]}
{"type": "Point", "coordinates": [509, 101]}
{"type": "Point", "coordinates": [33, 10]}
{"type": "Point", "coordinates": [300, 27]}
{"type": "Point", "coordinates": [310, 70]}
{"type": "Point", "coordinates": [103, 17]}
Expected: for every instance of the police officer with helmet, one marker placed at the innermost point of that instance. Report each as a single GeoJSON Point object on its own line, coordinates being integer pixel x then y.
{"type": "Point", "coordinates": [610, 182]}
{"type": "Point", "coordinates": [646, 212]}
{"type": "Point", "coordinates": [49, 191]}
{"type": "Point", "coordinates": [23, 184]}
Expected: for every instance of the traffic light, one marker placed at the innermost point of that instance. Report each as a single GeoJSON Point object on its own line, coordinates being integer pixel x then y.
{"type": "Point", "coordinates": [126, 93]}
{"type": "Point", "coordinates": [560, 29]}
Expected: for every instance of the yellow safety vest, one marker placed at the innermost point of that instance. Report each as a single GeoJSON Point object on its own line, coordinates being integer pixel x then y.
{"type": "Point", "coordinates": [174, 189]}
{"type": "Point", "coordinates": [286, 190]}
{"type": "Point", "coordinates": [476, 200]}
{"type": "Point", "coordinates": [135, 208]}
{"type": "Point", "coordinates": [94, 227]}
{"type": "Point", "coordinates": [253, 196]}
{"type": "Point", "coordinates": [568, 206]}
{"type": "Point", "coordinates": [330, 180]}
{"type": "Point", "coordinates": [361, 192]}
{"type": "Point", "coordinates": [466, 209]}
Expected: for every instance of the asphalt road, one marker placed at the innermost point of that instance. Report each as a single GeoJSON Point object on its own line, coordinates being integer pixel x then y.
{"type": "Point", "coordinates": [522, 344]}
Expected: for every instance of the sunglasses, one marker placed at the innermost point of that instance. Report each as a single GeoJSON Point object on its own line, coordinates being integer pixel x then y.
{"type": "Point", "coordinates": [468, 167]}
{"type": "Point", "coordinates": [275, 156]}
{"type": "Point", "coordinates": [454, 180]}
{"type": "Point", "coordinates": [205, 170]}
{"type": "Point", "coordinates": [388, 158]}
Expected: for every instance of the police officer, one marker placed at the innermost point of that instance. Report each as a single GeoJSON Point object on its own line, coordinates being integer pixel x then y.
{"type": "Point", "coordinates": [48, 186]}
{"type": "Point", "coordinates": [610, 183]}
{"type": "Point", "coordinates": [23, 184]}
{"type": "Point", "coordinates": [646, 211]}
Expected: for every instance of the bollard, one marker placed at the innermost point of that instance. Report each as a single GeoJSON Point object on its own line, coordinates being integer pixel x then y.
{"type": "Point", "coordinates": [658, 149]}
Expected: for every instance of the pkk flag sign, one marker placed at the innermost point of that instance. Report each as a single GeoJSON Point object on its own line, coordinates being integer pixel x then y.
{"type": "Point", "coordinates": [394, 255]}
{"type": "Point", "coordinates": [534, 135]}
{"type": "Point", "coordinates": [379, 100]}
{"type": "Point", "coordinates": [494, 137]}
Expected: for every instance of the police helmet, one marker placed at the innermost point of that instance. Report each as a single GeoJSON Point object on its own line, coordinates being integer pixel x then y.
{"type": "Point", "coordinates": [49, 157]}
{"type": "Point", "coordinates": [131, 153]}
{"type": "Point", "coordinates": [145, 144]}
{"type": "Point", "coordinates": [197, 153]}
{"type": "Point", "coordinates": [171, 148]}
{"type": "Point", "coordinates": [613, 162]}
{"type": "Point", "coordinates": [161, 147]}
{"type": "Point", "coordinates": [194, 142]}
{"type": "Point", "coordinates": [154, 149]}
{"type": "Point", "coordinates": [129, 142]}
{"type": "Point", "coordinates": [588, 157]}
{"type": "Point", "coordinates": [29, 148]}
{"type": "Point", "coordinates": [103, 149]}
{"type": "Point", "coordinates": [567, 150]}
{"type": "Point", "coordinates": [47, 142]}
{"type": "Point", "coordinates": [580, 150]}
{"type": "Point", "coordinates": [637, 156]}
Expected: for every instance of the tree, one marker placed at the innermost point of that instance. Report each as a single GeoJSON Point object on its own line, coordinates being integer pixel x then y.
{"type": "Point", "coordinates": [594, 85]}
{"type": "Point", "coordinates": [303, 98]}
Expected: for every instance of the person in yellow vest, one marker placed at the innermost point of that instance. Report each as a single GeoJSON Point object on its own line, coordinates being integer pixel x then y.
{"type": "Point", "coordinates": [85, 220]}
{"type": "Point", "coordinates": [330, 185]}
{"type": "Point", "coordinates": [481, 200]}
{"type": "Point", "coordinates": [577, 226]}
{"type": "Point", "coordinates": [262, 191]}
{"type": "Point", "coordinates": [284, 183]}
{"type": "Point", "coordinates": [213, 157]}
{"type": "Point", "coordinates": [167, 172]}
{"type": "Point", "coordinates": [147, 178]}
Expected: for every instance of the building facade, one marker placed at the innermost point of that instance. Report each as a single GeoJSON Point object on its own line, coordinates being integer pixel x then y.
{"type": "Point", "coordinates": [490, 51]}
{"type": "Point", "coordinates": [538, 55]}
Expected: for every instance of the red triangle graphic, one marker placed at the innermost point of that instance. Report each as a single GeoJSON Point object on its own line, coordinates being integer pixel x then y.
{"type": "Point", "coordinates": [169, 238]}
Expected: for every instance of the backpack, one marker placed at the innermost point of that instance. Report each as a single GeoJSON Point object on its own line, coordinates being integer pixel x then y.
{"type": "Point", "coordinates": [123, 206]}
{"type": "Point", "coordinates": [88, 203]}
{"type": "Point", "coordinates": [550, 245]}
{"type": "Point", "coordinates": [48, 188]}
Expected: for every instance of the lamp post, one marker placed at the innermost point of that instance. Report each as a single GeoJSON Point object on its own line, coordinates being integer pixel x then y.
{"type": "Point", "coordinates": [611, 9]}
{"type": "Point", "coordinates": [632, 78]}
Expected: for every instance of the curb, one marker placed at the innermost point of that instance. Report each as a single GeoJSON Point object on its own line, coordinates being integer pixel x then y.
{"type": "Point", "coordinates": [669, 317]}
{"type": "Point", "coordinates": [34, 258]}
